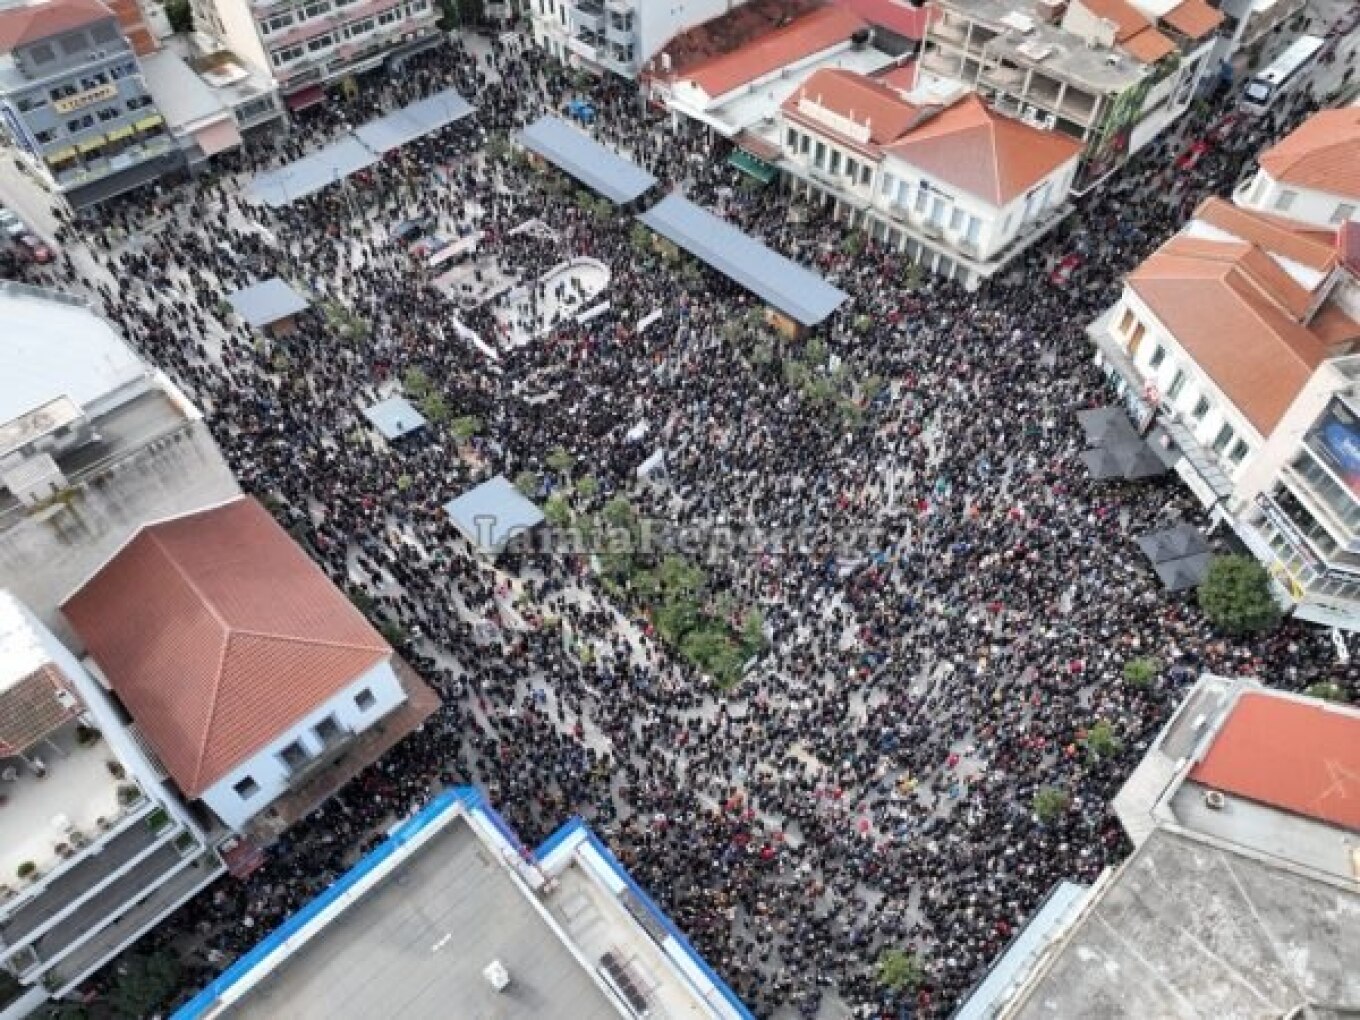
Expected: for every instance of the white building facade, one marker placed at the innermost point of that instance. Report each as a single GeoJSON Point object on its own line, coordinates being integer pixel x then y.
{"type": "Point", "coordinates": [616, 35]}
{"type": "Point", "coordinates": [288, 760]}
{"type": "Point", "coordinates": [1241, 359]}
{"type": "Point", "coordinates": [960, 188]}
{"type": "Point", "coordinates": [107, 849]}
{"type": "Point", "coordinates": [306, 45]}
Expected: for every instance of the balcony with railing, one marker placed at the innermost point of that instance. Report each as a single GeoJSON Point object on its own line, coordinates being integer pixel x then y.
{"type": "Point", "coordinates": [586, 15]}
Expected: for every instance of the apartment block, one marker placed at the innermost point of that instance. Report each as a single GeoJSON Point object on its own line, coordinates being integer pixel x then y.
{"type": "Point", "coordinates": [306, 45]}
{"type": "Point", "coordinates": [74, 101]}
{"type": "Point", "coordinates": [1109, 73]}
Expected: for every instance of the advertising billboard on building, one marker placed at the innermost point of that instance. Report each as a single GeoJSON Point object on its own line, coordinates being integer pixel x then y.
{"type": "Point", "coordinates": [1336, 442]}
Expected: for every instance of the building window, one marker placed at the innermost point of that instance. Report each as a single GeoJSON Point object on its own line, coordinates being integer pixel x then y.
{"type": "Point", "coordinates": [1345, 211]}
{"type": "Point", "coordinates": [820, 157]}
{"type": "Point", "coordinates": [804, 141]}
{"type": "Point", "coordinates": [852, 169]}
{"type": "Point", "coordinates": [80, 123]}
{"type": "Point", "coordinates": [1238, 451]}
{"type": "Point", "coordinates": [1286, 200]}
{"type": "Point", "coordinates": [108, 113]}
{"type": "Point", "coordinates": [294, 755]}
{"type": "Point", "coordinates": [62, 91]}
{"type": "Point", "coordinates": [246, 788]}
{"type": "Point", "coordinates": [328, 731]}
{"type": "Point", "coordinates": [835, 161]}
{"type": "Point", "coordinates": [315, 10]}
{"type": "Point", "coordinates": [793, 140]}
{"type": "Point", "coordinates": [29, 103]}
{"type": "Point", "coordinates": [956, 219]}
{"type": "Point", "coordinates": [284, 56]}
{"type": "Point", "coordinates": [864, 174]}
{"type": "Point", "coordinates": [43, 137]}
{"type": "Point", "coordinates": [138, 102]}
{"type": "Point", "coordinates": [276, 23]}
{"type": "Point", "coordinates": [922, 197]}
{"type": "Point", "coordinates": [321, 42]}
{"type": "Point", "coordinates": [1177, 385]}
{"type": "Point", "coordinates": [1158, 355]}
{"type": "Point", "coordinates": [974, 228]}
{"type": "Point", "coordinates": [1201, 408]}
{"type": "Point", "coordinates": [364, 700]}
{"type": "Point", "coordinates": [1223, 438]}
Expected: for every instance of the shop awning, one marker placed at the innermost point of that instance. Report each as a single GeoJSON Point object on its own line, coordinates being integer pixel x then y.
{"type": "Point", "coordinates": [90, 144]}
{"type": "Point", "coordinates": [60, 154]}
{"type": "Point", "coordinates": [147, 123]}
{"type": "Point", "coordinates": [305, 98]}
{"type": "Point", "coordinates": [119, 133]}
{"type": "Point", "coordinates": [753, 166]}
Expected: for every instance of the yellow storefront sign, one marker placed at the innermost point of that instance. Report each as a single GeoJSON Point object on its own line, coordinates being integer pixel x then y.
{"type": "Point", "coordinates": [119, 133]}
{"type": "Point", "coordinates": [90, 144]}
{"type": "Point", "coordinates": [60, 154]}
{"type": "Point", "coordinates": [83, 99]}
{"type": "Point", "coordinates": [147, 123]}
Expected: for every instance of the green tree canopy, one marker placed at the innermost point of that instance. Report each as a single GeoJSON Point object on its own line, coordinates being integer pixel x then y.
{"type": "Point", "coordinates": [899, 971]}
{"type": "Point", "coordinates": [1142, 671]}
{"type": "Point", "coordinates": [1236, 596]}
{"type": "Point", "coordinates": [1327, 691]}
{"type": "Point", "coordinates": [1050, 803]}
{"type": "Point", "coordinates": [1101, 740]}
{"type": "Point", "coordinates": [144, 983]}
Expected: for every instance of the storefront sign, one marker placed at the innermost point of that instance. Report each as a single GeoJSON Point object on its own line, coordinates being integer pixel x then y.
{"type": "Point", "coordinates": [83, 99]}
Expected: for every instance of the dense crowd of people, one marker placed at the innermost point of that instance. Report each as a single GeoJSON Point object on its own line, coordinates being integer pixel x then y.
{"type": "Point", "coordinates": [947, 600]}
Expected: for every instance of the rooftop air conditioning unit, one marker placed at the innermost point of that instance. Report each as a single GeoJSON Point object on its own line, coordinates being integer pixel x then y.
{"type": "Point", "coordinates": [1214, 800]}
{"type": "Point", "coordinates": [496, 975]}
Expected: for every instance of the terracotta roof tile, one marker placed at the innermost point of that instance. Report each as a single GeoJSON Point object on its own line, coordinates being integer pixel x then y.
{"type": "Point", "coordinates": [1322, 153]}
{"type": "Point", "coordinates": [32, 22]}
{"type": "Point", "coordinates": [862, 100]}
{"type": "Point", "coordinates": [983, 153]}
{"type": "Point", "coordinates": [897, 16]}
{"type": "Point", "coordinates": [812, 33]}
{"type": "Point", "coordinates": [1286, 238]}
{"type": "Point", "coordinates": [218, 633]}
{"type": "Point", "coordinates": [1296, 756]}
{"type": "Point", "coordinates": [30, 710]}
{"type": "Point", "coordinates": [1148, 46]}
{"type": "Point", "coordinates": [1215, 298]}
{"type": "Point", "coordinates": [1193, 18]}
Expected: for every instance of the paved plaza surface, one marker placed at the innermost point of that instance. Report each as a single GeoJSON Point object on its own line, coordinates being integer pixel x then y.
{"type": "Point", "coordinates": [943, 601]}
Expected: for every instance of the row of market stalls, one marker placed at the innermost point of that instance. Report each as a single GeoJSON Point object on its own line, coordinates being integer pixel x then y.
{"type": "Point", "coordinates": [1179, 555]}
{"type": "Point", "coordinates": [358, 150]}
{"type": "Point", "coordinates": [799, 298]}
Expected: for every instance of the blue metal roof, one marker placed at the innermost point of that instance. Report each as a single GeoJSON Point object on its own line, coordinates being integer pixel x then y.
{"type": "Point", "coordinates": [492, 514]}
{"type": "Point", "coordinates": [310, 174]}
{"type": "Point", "coordinates": [422, 117]}
{"type": "Point", "coordinates": [797, 292]}
{"type": "Point", "coordinates": [395, 417]}
{"type": "Point", "coordinates": [594, 165]}
{"type": "Point", "coordinates": [262, 304]}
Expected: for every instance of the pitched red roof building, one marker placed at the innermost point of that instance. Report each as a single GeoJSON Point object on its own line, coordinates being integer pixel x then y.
{"type": "Point", "coordinates": [32, 22]}
{"type": "Point", "coordinates": [1297, 756]}
{"type": "Point", "coordinates": [217, 633]}
{"type": "Point", "coordinates": [1321, 154]}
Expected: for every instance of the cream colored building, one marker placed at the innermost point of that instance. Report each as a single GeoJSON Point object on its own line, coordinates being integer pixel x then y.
{"type": "Point", "coordinates": [1235, 345]}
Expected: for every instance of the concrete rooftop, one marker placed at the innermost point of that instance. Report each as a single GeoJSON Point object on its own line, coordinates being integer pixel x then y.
{"type": "Point", "coordinates": [1187, 929]}
{"type": "Point", "coordinates": [415, 947]}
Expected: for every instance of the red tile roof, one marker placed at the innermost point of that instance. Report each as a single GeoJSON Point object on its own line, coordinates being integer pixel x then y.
{"type": "Point", "coordinates": [897, 16]}
{"type": "Point", "coordinates": [1193, 18]}
{"type": "Point", "coordinates": [1237, 315]}
{"type": "Point", "coordinates": [32, 708]}
{"type": "Point", "coordinates": [862, 100]}
{"type": "Point", "coordinates": [32, 22]}
{"type": "Point", "coordinates": [1297, 756]}
{"type": "Point", "coordinates": [1288, 239]}
{"type": "Point", "coordinates": [805, 36]}
{"type": "Point", "coordinates": [218, 633]}
{"type": "Point", "coordinates": [984, 153]}
{"type": "Point", "coordinates": [1133, 32]}
{"type": "Point", "coordinates": [1322, 153]}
